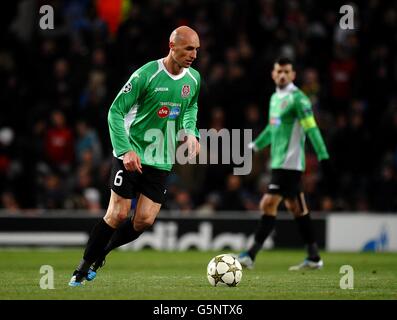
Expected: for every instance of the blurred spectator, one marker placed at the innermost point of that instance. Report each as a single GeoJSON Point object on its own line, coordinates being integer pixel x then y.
{"type": "Point", "coordinates": [92, 198]}
{"type": "Point", "coordinates": [327, 204]}
{"type": "Point", "coordinates": [93, 99]}
{"type": "Point", "coordinates": [210, 205]}
{"type": "Point", "coordinates": [384, 190]}
{"type": "Point", "coordinates": [87, 142]}
{"type": "Point", "coordinates": [215, 171]}
{"type": "Point", "coordinates": [342, 71]}
{"type": "Point", "coordinates": [52, 195]}
{"type": "Point", "coordinates": [182, 202]}
{"type": "Point", "coordinates": [59, 143]}
{"type": "Point", "coordinates": [311, 85]}
{"type": "Point", "coordinates": [61, 88]}
{"type": "Point", "coordinates": [6, 137]}
{"type": "Point", "coordinates": [253, 119]}
{"type": "Point", "coordinates": [234, 198]}
{"type": "Point", "coordinates": [9, 202]}
{"type": "Point", "coordinates": [84, 193]}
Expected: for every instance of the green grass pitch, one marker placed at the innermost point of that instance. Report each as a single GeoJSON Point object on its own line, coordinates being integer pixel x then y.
{"type": "Point", "coordinates": [154, 275]}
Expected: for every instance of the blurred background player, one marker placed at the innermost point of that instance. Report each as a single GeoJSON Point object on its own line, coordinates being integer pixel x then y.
{"type": "Point", "coordinates": [160, 94]}
{"type": "Point", "coordinates": [290, 120]}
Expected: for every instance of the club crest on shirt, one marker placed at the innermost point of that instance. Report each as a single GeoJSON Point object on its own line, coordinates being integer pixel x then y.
{"type": "Point", "coordinates": [127, 88]}
{"type": "Point", "coordinates": [185, 91]}
{"type": "Point", "coordinates": [283, 104]}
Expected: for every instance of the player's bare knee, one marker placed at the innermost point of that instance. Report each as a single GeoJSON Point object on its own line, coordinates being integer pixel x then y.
{"type": "Point", "coordinates": [115, 216]}
{"type": "Point", "coordinates": [296, 212]}
{"type": "Point", "coordinates": [143, 223]}
{"type": "Point", "coordinates": [290, 206]}
{"type": "Point", "coordinates": [264, 204]}
{"type": "Point", "coordinates": [266, 207]}
{"type": "Point", "coordinates": [121, 215]}
{"type": "Point", "coordinates": [294, 207]}
{"type": "Point", "coordinates": [118, 210]}
{"type": "Point", "coordinates": [269, 206]}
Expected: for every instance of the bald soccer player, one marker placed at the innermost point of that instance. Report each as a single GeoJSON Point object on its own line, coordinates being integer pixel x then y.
{"type": "Point", "coordinates": [160, 95]}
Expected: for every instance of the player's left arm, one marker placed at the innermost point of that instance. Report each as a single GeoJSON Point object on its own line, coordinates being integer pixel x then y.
{"type": "Point", "coordinates": [189, 124]}
{"type": "Point", "coordinates": [309, 125]}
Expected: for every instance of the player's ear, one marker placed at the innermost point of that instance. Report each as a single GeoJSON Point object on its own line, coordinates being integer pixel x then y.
{"type": "Point", "coordinates": [171, 44]}
{"type": "Point", "coordinates": [293, 75]}
{"type": "Point", "coordinates": [273, 74]}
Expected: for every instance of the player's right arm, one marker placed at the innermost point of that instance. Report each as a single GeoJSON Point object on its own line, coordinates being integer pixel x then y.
{"type": "Point", "coordinates": [122, 105]}
{"type": "Point", "coordinates": [262, 141]}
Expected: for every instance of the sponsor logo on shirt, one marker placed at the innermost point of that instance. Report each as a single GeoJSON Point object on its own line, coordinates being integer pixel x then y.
{"type": "Point", "coordinates": [185, 91]}
{"type": "Point", "coordinates": [163, 112]}
{"type": "Point", "coordinates": [160, 89]}
{"type": "Point", "coordinates": [275, 121]}
{"type": "Point", "coordinates": [170, 104]}
{"type": "Point", "coordinates": [174, 113]}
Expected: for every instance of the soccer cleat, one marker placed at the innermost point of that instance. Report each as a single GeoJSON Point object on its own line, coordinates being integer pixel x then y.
{"type": "Point", "coordinates": [91, 275]}
{"type": "Point", "coordinates": [307, 265]}
{"type": "Point", "coordinates": [77, 279]}
{"type": "Point", "coordinates": [92, 272]}
{"type": "Point", "coordinates": [245, 260]}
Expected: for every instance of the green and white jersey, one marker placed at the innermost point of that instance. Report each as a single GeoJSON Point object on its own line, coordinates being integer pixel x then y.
{"type": "Point", "coordinates": [151, 108]}
{"type": "Point", "coordinates": [290, 119]}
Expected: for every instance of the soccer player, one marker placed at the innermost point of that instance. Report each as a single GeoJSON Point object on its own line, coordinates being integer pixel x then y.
{"type": "Point", "coordinates": [160, 95]}
{"type": "Point", "coordinates": [290, 121]}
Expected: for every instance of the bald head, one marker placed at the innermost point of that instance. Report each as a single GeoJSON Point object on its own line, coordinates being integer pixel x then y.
{"type": "Point", "coordinates": [184, 44]}
{"type": "Point", "coordinates": [183, 33]}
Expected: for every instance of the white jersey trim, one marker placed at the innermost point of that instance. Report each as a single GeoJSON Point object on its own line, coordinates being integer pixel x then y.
{"type": "Point", "coordinates": [157, 72]}
{"type": "Point", "coordinates": [287, 90]}
{"type": "Point", "coordinates": [293, 158]}
{"type": "Point", "coordinates": [114, 155]}
{"type": "Point", "coordinates": [128, 121]}
{"type": "Point", "coordinates": [190, 74]}
{"type": "Point", "coordinates": [129, 118]}
{"type": "Point", "coordinates": [172, 76]}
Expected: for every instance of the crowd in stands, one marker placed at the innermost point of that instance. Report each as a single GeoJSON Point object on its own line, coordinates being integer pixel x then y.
{"type": "Point", "coordinates": [56, 87]}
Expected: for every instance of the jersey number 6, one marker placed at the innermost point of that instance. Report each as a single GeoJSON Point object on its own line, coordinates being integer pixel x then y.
{"type": "Point", "coordinates": [118, 179]}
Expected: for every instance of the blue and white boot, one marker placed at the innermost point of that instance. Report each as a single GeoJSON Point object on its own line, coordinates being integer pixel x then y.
{"type": "Point", "coordinates": [77, 279]}
{"type": "Point", "coordinates": [245, 260]}
{"type": "Point", "coordinates": [92, 272]}
{"type": "Point", "coordinates": [307, 265]}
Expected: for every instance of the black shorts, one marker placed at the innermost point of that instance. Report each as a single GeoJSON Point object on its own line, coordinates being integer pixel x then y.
{"type": "Point", "coordinates": [151, 182]}
{"type": "Point", "coordinates": [287, 183]}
